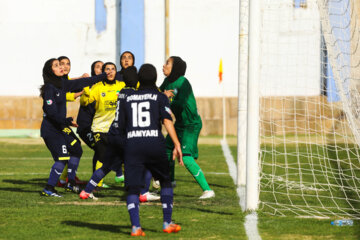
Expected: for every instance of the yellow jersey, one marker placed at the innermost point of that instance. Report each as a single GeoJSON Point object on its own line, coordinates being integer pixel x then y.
{"type": "Point", "coordinates": [106, 96]}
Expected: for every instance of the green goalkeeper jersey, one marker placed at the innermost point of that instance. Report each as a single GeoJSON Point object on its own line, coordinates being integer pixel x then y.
{"type": "Point", "coordinates": [183, 104]}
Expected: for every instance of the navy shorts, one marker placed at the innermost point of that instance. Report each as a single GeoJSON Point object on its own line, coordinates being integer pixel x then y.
{"type": "Point", "coordinates": [149, 155]}
{"type": "Point", "coordinates": [62, 145]}
{"type": "Point", "coordinates": [87, 136]}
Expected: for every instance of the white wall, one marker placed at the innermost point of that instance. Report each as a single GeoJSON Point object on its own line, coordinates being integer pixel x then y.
{"type": "Point", "coordinates": [201, 32]}
{"type": "Point", "coordinates": [290, 49]}
{"type": "Point", "coordinates": [34, 31]}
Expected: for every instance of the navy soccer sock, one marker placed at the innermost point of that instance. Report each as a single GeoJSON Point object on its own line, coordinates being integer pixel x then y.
{"type": "Point", "coordinates": [132, 201]}
{"type": "Point", "coordinates": [147, 179]}
{"type": "Point", "coordinates": [166, 195]}
{"type": "Point", "coordinates": [72, 167]}
{"type": "Point", "coordinates": [55, 172]}
{"type": "Point", "coordinates": [95, 179]}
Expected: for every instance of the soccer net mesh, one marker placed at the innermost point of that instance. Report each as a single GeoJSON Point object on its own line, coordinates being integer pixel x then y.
{"type": "Point", "coordinates": [310, 108]}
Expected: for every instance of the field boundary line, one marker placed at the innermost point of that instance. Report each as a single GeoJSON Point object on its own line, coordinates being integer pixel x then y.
{"type": "Point", "coordinates": [251, 219]}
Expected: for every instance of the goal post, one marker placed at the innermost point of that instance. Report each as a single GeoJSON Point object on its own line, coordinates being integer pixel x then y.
{"type": "Point", "coordinates": [303, 107]}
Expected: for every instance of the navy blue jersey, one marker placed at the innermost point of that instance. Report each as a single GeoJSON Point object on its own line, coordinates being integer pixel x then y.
{"type": "Point", "coordinates": [85, 117]}
{"type": "Point", "coordinates": [140, 115]}
{"type": "Point", "coordinates": [54, 102]}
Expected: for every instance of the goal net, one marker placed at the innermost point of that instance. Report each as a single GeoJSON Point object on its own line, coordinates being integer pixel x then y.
{"type": "Point", "coordinates": [310, 108]}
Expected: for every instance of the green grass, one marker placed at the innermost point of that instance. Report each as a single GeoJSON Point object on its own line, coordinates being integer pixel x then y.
{"type": "Point", "coordinates": [292, 226]}
{"type": "Point", "coordinates": [24, 214]}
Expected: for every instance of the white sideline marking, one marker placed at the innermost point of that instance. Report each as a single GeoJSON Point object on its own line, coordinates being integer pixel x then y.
{"type": "Point", "coordinates": [32, 158]}
{"type": "Point", "coordinates": [250, 219]}
{"type": "Point", "coordinates": [46, 173]}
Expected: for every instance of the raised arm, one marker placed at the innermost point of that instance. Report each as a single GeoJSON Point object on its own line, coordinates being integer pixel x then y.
{"type": "Point", "coordinates": [71, 85]}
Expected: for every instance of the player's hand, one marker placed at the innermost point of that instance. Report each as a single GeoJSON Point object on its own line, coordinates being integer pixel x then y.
{"type": "Point", "coordinates": [74, 124]}
{"type": "Point", "coordinates": [169, 93]}
{"type": "Point", "coordinates": [78, 94]}
{"type": "Point", "coordinates": [85, 75]}
{"type": "Point", "coordinates": [178, 154]}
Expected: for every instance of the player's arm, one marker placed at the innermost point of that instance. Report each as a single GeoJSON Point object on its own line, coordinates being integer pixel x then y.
{"type": "Point", "coordinates": [177, 146]}
{"type": "Point", "coordinates": [89, 95]}
{"type": "Point", "coordinates": [72, 85]}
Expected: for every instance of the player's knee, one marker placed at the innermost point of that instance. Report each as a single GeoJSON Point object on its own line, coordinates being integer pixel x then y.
{"type": "Point", "coordinates": [134, 190]}
{"type": "Point", "coordinates": [59, 165]}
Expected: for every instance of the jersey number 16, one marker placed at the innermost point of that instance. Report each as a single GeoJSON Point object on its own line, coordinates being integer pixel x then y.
{"type": "Point", "coordinates": [141, 114]}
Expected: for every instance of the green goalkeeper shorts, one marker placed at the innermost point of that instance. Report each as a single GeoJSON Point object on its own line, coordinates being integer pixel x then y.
{"type": "Point", "coordinates": [188, 138]}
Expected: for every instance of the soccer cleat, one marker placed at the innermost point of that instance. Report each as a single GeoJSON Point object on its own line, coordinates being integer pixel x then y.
{"type": "Point", "coordinates": [85, 195]}
{"type": "Point", "coordinates": [50, 193]}
{"type": "Point", "coordinates": [119, 179]}
{"type": "Point", "coordinates": [156, 184]}
{"type": "Point", "coordinates": [72, 188]}
{"type": "Point", "coordinates": [207, 194]}
{"type": "Point", "coordinates": [137, 231]}
{"type": "Point", "coordinates": [148, 196]}
{"type": "Point", "coordinates": [171, 227]}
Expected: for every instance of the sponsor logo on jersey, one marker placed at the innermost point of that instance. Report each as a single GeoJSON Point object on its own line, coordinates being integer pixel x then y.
{"type": "Point", "coordinates": [49, 102]}
{"type": "Point", "coordinates": [168, 110]}
{"type": "Point", "coordinates": [57, 94]}
{"type": "Point", "coordinates": [143, 133]}
{"type": "Point", "coordinates": [110, 105]}
{"type": "Point", "coordinates": [103, 94]}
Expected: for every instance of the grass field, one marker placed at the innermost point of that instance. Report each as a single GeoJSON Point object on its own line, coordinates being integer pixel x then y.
{"type": "Point", "coordinates": [24, 214]}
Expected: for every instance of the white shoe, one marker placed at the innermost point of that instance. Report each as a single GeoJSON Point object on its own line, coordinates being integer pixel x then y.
{"type": "Point", "coordinates": [207, 194]}
{"type": "Point", "coordinates": [156, 184]}
{"type": "Point", "coordinates": [148, 196]}
{"type": "Point", "coordinates": [173, 184]}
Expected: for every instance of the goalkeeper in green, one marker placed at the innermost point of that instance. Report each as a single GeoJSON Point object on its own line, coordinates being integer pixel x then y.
{"type": "Point", "coordinates": [188, 122]}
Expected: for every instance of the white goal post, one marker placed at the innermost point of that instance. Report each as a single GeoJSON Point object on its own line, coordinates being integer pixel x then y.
{"type": "Point", "coordinates": [302, 71]}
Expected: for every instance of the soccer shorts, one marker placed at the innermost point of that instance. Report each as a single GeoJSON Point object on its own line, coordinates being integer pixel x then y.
{"type": "Point", "coordinates": [188, 138]}
{"type": "Point", "coordinates": [88, 137]}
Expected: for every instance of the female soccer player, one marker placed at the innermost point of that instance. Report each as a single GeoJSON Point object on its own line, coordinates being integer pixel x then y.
{"type": "Point", "coordinates": [105, 95]}
{"type": "Point", "coordinates": [55, 127]}
{"type": "Point", "coordinates": [140, 115]}
{"type": "Point", "coordinates": [188, 122]}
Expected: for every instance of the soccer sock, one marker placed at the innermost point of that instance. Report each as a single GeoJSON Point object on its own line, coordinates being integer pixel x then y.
{"type": "Point", "coordinates": [195, 170]}
{"type": "Point", "coordinates": [55, 172]}
{"type": "Point", "coordinates": [64, 174]}
{"type": "Point", "coordinates": [95, 179]}
{"type": "Point", "coordinates": [166, 196]}
{"type": "Point", "coordinates": [132, 201]}
{"type": "Point", "coordinates": [72, 167]}
{"type": "Point", "coordinates": [172, 167]}
{"type": "Point", "coordinates": [99, 165]}
{"type": "Point", "coordinates": [147, 178]}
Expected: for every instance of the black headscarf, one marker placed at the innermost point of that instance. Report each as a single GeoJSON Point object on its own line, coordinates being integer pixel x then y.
{"type": "Point", "coordinates": [49, 76]}
{"type": "Point", "coordinates": [93, 68]}
{"type": "Point", "coordinates": [103, 70]}
{"type": "Point", "coordinates": [147, 76]}
{"type": "Point", "coordinates": [61, 58]}
{"type": "Point", "coordinates": [122, 67]}
{"type": "Point", "coordinates": [130, 76]}
{"type": "Point", "coordinates": [178, 69]}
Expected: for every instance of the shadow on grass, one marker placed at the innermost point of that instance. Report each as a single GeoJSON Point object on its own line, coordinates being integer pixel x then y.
{"type": "Point", "coordinates": [19, 190]}
{"type": "Point", "coordinates": [124, 229]}
{"type": "Point", "coordinates": [208, 211]}
{"type": "Point", "coordinates": [34, 182]}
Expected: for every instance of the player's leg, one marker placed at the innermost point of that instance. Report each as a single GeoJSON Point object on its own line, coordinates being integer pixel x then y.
{"type": "Point", "coordinates": [73, 164]}
{"type": "Point", "coordinates": [134, 171]}
{"type": "Point", "coordinates": [190, 152]}
{"type": "Point", "coordinates": [57, 146]}
{"type": "Point", "coordinates": [99, 174]}
{"type": "Point", "coordinates": [100, 151]}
